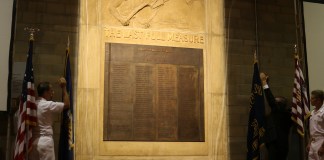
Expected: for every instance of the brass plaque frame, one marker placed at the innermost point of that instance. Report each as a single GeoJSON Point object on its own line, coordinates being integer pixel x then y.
{"type": "Point", "coordinates": [153, 93]}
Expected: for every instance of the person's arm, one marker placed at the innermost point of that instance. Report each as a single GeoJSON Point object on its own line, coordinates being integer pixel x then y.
{"type": "Point", "coordinates": [66, 98]}
{"type": "Point", "coordinates": [268, 94]}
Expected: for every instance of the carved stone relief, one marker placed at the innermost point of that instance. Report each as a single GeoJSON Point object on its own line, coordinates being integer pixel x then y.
{"type": "Point", "coordinates": [175, 14]}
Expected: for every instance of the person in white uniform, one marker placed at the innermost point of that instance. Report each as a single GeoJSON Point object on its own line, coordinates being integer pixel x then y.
{"type": "Point", "coordinates": [43, 144]}
{"type": "Point", "coordinates": [315, 146]}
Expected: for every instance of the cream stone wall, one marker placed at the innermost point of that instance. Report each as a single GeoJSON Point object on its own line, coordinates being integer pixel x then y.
{"type": "Point", "coordinates": [177, 23]}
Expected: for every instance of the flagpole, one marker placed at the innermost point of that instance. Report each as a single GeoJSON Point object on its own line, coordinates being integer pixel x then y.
{"type": "Point", "coordinates": [256, 29]}
{"type": "Point", "coordinates": [68, 50]}
{"type": "Point", "coordinates": [297, 25]}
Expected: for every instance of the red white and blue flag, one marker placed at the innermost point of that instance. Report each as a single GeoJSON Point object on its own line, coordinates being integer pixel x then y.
{"type": "Point", "coordinates": [300, 103]}
{"type": "Point", "coordinates": [27, 117]}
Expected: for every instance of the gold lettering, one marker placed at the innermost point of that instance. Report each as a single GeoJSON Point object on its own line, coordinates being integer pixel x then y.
{"type": "Point", "coordinates": [111, 35]}
{"type": "Point", "coordinates": [190, 38]}
{"type": "Point", "coordinates": [162, 36]}
{"type": "Point", "coordinates": [202, 40]}
{"type": "Point", "coordinates": [180, 38]}
{"type": "Point", "coordinates": [118, 34]}
{"type": "Point", "coordinates": [153, 36]}
{"type": "Point", "coordinates": [170, 36]}
{"type": "Point", "coordinates": [107, 32]}
{"type": "Point", "coordinates": [176, 37]}
{"type": "Point", "coordinates": [148, 35]}
{"type": "Point", "coordinates": [196, 39]}
{"type": "Point", "coordinates": [185, 38]}
{"type": "Point", "coordinates": [127, 34]}
{"type": "Point", "coordinates": [136, 34]}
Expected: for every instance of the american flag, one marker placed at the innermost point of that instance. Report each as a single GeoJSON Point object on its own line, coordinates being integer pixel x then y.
{"type": "Point", "coordinates": [300, 103]}
{"type": "Point", "coordinates": [27, 117]}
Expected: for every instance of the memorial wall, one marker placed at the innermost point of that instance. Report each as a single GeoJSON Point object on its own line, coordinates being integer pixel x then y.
{"type": "Point", "coordinates": [151, 80]}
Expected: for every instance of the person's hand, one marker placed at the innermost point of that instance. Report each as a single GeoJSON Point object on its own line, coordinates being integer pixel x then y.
{"type": "Point", "coordinates": [264, 78]}
{"type": "Point", "coordinates": [62, 82]}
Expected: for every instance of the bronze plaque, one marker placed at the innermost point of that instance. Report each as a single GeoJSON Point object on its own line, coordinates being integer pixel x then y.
{"type": "Point", "coordinates": [153, 93]}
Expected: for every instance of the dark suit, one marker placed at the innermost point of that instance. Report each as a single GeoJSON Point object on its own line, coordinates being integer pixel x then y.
{"type": "Point", "coordinates": [278, 124]}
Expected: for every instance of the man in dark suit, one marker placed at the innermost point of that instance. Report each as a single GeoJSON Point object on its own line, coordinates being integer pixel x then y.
{"type": "Point", "coordinates": [278, 123]}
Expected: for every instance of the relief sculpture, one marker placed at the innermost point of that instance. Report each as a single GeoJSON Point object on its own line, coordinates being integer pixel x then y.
{"type": "Point", "coordinates": [115, 10]}
{"type": "Point", "coordinates": [182, 14]}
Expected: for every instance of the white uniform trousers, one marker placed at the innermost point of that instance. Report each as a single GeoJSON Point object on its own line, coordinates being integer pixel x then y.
{"type": "Point", "coordinates": [43, 148]}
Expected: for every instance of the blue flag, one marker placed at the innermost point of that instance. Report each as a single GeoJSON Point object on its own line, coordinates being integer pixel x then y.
{"type": "Point", "coordinates": [66, 146]}
{"type": "Point", "coordinates": [255, 135]}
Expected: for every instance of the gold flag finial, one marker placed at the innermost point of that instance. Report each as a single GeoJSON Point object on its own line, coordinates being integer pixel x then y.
{"type": "Point", "coordinates": [295, 47]}
{"type": "Point", "coordinates": [68, 42]}
{"type": "Point", "coordinates": [31, 31]}
{"type": "Point", "coordinates": [296, 51]}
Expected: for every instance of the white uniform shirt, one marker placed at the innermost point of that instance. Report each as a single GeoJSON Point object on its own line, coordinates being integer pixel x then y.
{"type": "Point", "coordinates": [45, 110]}
{"type": "Point", "coordinates": [43, 145]}
{"type": "Point", "coordinates": [316, 129]}
{"type": "Point", "coordinates": [316, 124]}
